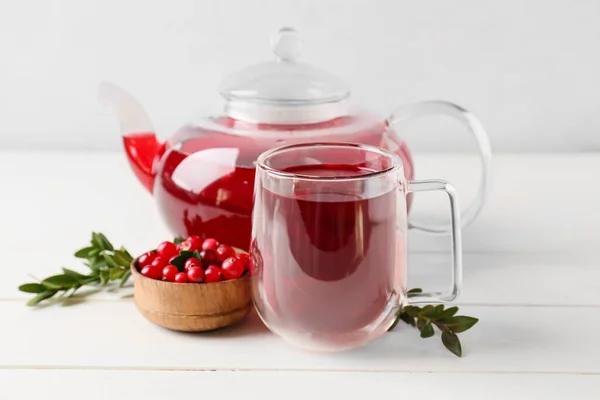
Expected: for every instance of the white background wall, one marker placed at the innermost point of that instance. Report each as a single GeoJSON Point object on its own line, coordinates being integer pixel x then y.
{"type": "Point", "coordinates": [530, 69]}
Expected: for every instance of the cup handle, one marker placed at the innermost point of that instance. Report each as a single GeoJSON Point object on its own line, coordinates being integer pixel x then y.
{"type": "Point", "coordinates": [439, 297]}
{"type": "Point", "coordinates": [426, 108]}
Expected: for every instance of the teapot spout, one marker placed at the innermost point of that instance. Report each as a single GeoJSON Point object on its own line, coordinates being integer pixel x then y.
{"type": "Point", "coordinates": [139, 138]}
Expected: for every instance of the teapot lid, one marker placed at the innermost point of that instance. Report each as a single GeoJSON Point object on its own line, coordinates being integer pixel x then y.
{"type": "Point", "coordinates": [284, 90]}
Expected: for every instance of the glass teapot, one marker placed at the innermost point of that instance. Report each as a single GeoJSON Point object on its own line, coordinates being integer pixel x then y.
{"type": "Point", "coordinates": [203, 176]}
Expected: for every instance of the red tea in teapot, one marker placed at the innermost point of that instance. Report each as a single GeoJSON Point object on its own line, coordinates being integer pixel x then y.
{"type": "Point", "coordinates": [204, 183]}
{"type": "Point", "coordinates": [336, 253]}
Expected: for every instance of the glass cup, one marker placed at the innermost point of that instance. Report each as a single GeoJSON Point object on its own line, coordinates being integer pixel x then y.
{"type": "Point", "coordinates": [328, 250]}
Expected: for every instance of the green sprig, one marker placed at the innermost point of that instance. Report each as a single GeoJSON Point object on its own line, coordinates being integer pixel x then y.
{"type": "Point", "coordinates": [105, 263]}
{"type": "Point", "coordinates": [444, 319]}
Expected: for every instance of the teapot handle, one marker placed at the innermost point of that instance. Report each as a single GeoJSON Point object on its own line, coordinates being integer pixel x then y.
{"type": "Point", "coordinates": [434, 107]}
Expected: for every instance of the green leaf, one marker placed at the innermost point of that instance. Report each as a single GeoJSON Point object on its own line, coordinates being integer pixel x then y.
{"type": "Point", "coordinates": [110, 261]}
{"type": "Point", "coordinates": [75, 274]}
{"type": "Point", "coordinates": [427, 310]}
{"type": "Point", "coordinates": [104, 277]}
{"type": "Point", "coordinates": [60, 282]}
{"type": "Point", "coordinates": [116, 273]}
{"type": "Point", "coordinates": [437, 311]}
{"type": "Point", "coordinates": [177, 240]}
{"type": "Point", "coordinates": [460, 323]}
{"type": "Point", "coordinates": [101, 242]}
{"type": "Point", "coordinates": [94, 253]}
{"type": "Point", "coordinates": [197, 255]}
{"type": "Point", "coordinates": [452, 343]}
{"type": "Point", "coordinates": [125, 277]}
{"type": "Point", "coordinates": [32, 288]}
{"type": "Point", "coordinates": [85, 252]}
{"type": "Point", "coordinates": [427, 330]}
{"type": "Point", "coordinates": [448, 312]}
{"type": "Point", "coordinates": [408, 319]}
{"type": "Point", "coordinates": [179, 261]}
{"type": "Point", "coordinates": [186, 253]}
{"type": "Point", "coordinates": [91, 280]}
{"type": "Point", "coordinates": [41, 297]}
{"type": "Point", "coordinates": [96, 264]}
{"type": "Point", "coordinates": [415, 290]}
{"type": "Point", "coordinates": [124, 250]}
{"type": "Point", "coordinates": [412, 311]}
{"type": "Point", "coordinates": [421, 323]}
{"type": "Point", "coordinates": [122, 258]}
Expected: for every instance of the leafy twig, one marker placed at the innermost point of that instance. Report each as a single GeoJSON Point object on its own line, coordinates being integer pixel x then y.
{"type": "Point", "coordinates": [444, 319]}
{"type": "Point", "coordinates": [105, 263]}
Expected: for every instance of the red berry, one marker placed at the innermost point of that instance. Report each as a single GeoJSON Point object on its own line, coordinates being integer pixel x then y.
{"type": "Point", "coordinates": [152, 272]}
{"type": "Point", "coordinates": [210, 244]}
{"type": "Point", "coordinates": [213, 274]}
{"type": "Point", "coordinates": [146, 259]}
{"type": "Point", "coordinates": [209, 257]}
{"type": "Point", "coordinates": [196, 239]}
{"type": "Point", "coordinates": [181, 277]}
{"type": "Point", "coordinates": [167, 250]}
{"type": "Point", "coordinates": [232, 268]}
{"type": "Point", "coordinates": [195, 274]}
{"type": "Point", "coordinates": [245, 258]}
{"type": "Point", "coordinates": [159, 262]}
{"type": "Point", "coordinates": [224, 252]}
{"type": "Point", "coordinates": [192, 243]}
{"type": "Point", "coordinates": [169, 272]}
{"type": "Point", "coordinates": [192, 262]}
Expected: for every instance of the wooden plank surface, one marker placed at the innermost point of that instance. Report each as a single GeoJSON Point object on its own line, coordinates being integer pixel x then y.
{"type": "Point", "coordinates": [124, 384]}
{"type": "Point", "coordinates": [113, 334]}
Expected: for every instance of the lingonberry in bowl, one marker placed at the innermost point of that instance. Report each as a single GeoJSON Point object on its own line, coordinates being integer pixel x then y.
{"type": "Point", "coordinates": [245, 259]}
{"type": "Point", "coordinates": [191, 262]}
{"type": "Point", "coordinates": [181, 278]}
{"type": "Point", "coordinates": [209, 257]}
{"type": "Point", "coordinates": [152, 271]}
{"type": "Point", "coordinates": [210, 244]}
{"type": "Point", "coordinates": [169, 273]}
{"type": "Point", "coordinates": [232, 268]}
{"type": "Point", "coordinates": [146, 259]}
{"type": "Point", "coordinates": [213, 274]}
{"type": "Point", "coordinates": [195, 274]}
{"type": "Point", "coordinates": [167, 250]}
{"type": "Point", "coordinates": [192, 285]}
{"type": "Point", "coordinates": [192, 243]}
{"type": "Point", "coordinates": [224, 252]}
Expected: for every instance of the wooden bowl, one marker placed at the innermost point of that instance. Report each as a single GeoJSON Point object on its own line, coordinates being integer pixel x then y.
{"type": "Point", "coordinates": [191, 307]}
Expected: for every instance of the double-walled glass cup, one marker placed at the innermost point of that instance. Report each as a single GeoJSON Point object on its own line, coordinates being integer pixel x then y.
{"type": "Point", "coordinates": [328, 250]}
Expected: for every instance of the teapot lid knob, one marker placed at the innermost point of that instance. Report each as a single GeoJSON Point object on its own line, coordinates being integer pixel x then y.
{"type": "Point", "coordinates": [281, 84]}
{"type": "Point", "coordinates": [286, 44]}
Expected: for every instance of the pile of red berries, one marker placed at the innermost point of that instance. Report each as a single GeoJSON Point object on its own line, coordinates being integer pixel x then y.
{"type": "Point", "coordinates": [193, 260]}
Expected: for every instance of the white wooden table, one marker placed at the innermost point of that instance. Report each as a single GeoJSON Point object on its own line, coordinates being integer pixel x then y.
{"type": "Point", "coordinates": [532, 276]}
